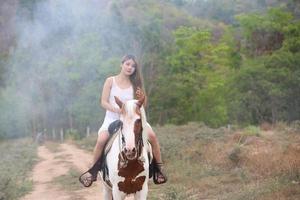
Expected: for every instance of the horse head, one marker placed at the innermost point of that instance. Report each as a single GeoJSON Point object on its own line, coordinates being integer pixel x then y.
{"type": "Point", "coordinates": [131, 116]}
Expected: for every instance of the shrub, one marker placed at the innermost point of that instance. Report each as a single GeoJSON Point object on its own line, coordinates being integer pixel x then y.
{"type": "Point", "coordinates": [251, 131]}
{"type": "Point", "coordinates": [73, 134]}
{"type": "Point", "coordinates": [17, 158]}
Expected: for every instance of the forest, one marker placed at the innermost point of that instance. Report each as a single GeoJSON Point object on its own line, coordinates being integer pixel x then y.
{"type": "Point", "coordinates": [218, 62]}
{"type": "Point", "coordinates": [221, 79]}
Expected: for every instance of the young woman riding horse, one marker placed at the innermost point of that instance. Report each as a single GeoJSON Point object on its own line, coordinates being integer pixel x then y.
{"type": "Point", "coordinates": [126, 86]}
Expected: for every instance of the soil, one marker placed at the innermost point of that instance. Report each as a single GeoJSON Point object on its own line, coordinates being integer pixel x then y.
{"type": "Point", "coordinates": [56, 163]}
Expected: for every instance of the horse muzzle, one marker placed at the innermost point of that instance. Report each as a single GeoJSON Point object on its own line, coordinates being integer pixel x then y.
{"type": "Point", "coordinates": [130, 154]}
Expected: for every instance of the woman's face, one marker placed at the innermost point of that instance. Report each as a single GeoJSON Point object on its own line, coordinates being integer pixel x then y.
{"type": "Point", "coordinates": [128, 67]}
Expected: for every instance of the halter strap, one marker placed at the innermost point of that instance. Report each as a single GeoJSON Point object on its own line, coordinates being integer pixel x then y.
{"type": "Point", "coordinates": [122, 143]}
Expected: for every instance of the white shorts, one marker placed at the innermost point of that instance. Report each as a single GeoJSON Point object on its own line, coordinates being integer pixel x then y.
{"type": "Point", "coordinates": [106, 122]}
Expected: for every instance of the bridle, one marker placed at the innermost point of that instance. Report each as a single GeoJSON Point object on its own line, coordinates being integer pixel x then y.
{"type": "Point", "coordinates": [139, 144]}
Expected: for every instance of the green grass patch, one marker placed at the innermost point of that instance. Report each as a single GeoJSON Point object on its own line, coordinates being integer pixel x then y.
{"type": "Point", "coordinates": [69, 181]}
{"type": "Point", "coordinates": [87, 143]}
{"type": "Point", "coordinates": [52, 146]}
{"type": "Point", "coordinates": [251, 131]}
{"type": "Point", "coordinates": [17, 159]}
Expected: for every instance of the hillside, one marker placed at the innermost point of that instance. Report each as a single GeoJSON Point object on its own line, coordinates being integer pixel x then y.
{"type": "Point", "coordinates": [237, 164]}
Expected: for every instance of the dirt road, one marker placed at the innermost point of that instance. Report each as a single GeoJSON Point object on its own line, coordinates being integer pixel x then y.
{"type": "Point", "coordinates": [56, 163]}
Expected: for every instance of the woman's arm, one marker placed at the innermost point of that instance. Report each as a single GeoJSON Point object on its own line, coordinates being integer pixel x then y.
{"type": "Point", "coordinates": [104, 101]}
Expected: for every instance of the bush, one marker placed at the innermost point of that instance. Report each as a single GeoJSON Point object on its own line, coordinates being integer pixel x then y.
{"type": "Point", "coordinates": [295, 125]}
{"type": "Point", "coordinates": [251, 131]}
{"type": "Point", "coordinates": [73, 134]}
{"type": "Point", "coordinates": [234, 154]}
{"type": "Point", "coordinates": [17, 159]}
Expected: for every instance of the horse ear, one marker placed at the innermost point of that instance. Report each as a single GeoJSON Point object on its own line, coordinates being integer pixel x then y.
{"type": "Point", "coordinates": [141, 101]}
{"type": "Point", "coordinates": [118, 101]}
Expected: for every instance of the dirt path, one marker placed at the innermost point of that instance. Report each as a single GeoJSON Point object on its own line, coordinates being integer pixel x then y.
{"type": "Point", "coordinates": [56, 163]}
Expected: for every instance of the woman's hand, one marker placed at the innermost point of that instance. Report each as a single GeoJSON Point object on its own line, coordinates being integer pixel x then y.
{"type": "Point", "coordinates": [139, 93]}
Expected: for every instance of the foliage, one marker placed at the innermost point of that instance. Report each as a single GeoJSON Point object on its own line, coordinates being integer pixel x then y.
{"type": "Point", "coordinates": [251, 131]}
{"type": "Point", "coordinates": [263, 85]}
{"type": "Point", "coordinates": [219, 61]}
{"type": "Point", "coordinates": [197, 68]}
{"type": "Point", "coordinates": [16, 161]}
{"type": "Point", "coordinates": [72, 134]}
{"type": "Point", "coordinates": [13, 120]}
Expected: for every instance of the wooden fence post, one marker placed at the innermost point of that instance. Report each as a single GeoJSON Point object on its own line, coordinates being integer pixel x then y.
{"type": "Point", "coordinates": [87, 131]}
{"type": "Point", "coordinates": [61, 135]}
{"type": "Point", "coordinates": [53, 134]}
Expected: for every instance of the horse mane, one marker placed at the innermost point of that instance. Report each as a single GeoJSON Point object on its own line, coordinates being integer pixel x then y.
{"type": "Point", "coordinates": [144, 124]}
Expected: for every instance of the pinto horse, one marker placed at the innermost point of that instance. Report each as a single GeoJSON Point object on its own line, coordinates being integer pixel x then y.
{"type": "Point", "coordinates": [127, 161]}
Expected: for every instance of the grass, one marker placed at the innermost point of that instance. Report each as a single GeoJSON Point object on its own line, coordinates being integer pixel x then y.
{"type": "Point", "coordinates": [251, 131]}
{"type": "Point", "coordinates": [205, 163]}
{"type": "Point", "coordinates": [17, 159]}
{"type": "Point", "coordinates": [87, 143]}
{"type": "Point", "coordinates": [263, 189]}
{"type": "Point", "coordinates": [69, 182]}
{"type": "Point", "coordinates": [52, 146]}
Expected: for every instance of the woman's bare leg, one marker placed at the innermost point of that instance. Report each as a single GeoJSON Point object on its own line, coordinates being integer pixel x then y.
{"type": "Point", "coordinates": [155, 145]}
{"type": "Point", "coordinates": [156, 153]}
{"type": "Point", "coordinates": [90, 176]}
{"type": "Point", "coordinates": [101, 141]}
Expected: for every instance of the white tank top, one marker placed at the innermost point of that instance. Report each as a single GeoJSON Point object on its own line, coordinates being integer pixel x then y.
{"type": "Point", "coordinates": [123, 94]}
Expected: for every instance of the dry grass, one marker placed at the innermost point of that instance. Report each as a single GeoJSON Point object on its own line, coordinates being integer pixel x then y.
{"type": "Point", "coordinates": [69, 181]}
{"type": "Point", "coordinates": [204, 163]}
{"type": "Point", "coordinates": [16, 161]}
{"type": "Point", "coordinates": [52, 146]}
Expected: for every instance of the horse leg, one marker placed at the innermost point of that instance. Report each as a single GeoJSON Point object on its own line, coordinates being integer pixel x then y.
{"type": "Point", "coordinates": [107, 193]}
{"type": "Point", "coordinates": [117, 194]}
{"type": "Point", "coordinates": [142, 195]}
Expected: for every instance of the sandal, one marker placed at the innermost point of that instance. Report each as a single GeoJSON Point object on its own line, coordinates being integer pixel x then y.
{"type": "Point", "coordinates": [88, 177]}
{"type": "Point", "coordinates": [159, 174]}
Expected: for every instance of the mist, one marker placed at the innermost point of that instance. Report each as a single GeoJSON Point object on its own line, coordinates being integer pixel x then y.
{"type": "Point", "coordinates": [56, 54]}
{"type": "Point", "coordinates": [63, 53]}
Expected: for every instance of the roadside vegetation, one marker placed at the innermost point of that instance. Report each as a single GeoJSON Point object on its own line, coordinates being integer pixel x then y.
{"type": "Point", "coordinates": [16, 161]}
{"type": "Point", "coordinates": [69, 181]}
{"type": "Point", "coordinates": [230, 164]}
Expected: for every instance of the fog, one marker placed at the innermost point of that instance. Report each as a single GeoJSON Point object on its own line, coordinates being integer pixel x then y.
{"type": "Point", "coordinates": [62, 55]}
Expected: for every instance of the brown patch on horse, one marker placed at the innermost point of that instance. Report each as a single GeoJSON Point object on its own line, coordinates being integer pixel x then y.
{"type": "Point", "coordinates": [132, 183]}
{"type": "Point", "coordinates": [119, 102]}
{"type": "Point", "coordinates": [141, 101]}
{"type": "Point", "coordinates": [138, 127]}
{"type": "Point", "coordinates": [123, 111]}
{"type": "Point", "coordinates": [138, 111]}
{"type": "Point", "coordinates": [138, 130]}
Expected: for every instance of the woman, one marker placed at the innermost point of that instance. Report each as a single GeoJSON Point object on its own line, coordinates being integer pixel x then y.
{"type": "Point", "coordinates": [126, 86]}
